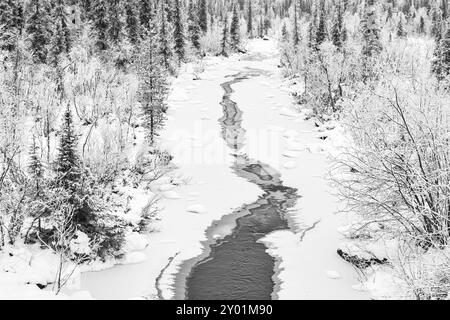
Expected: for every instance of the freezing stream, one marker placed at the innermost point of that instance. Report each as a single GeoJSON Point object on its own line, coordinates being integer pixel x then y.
{"type": "Point", "coordinates": [237, 266]}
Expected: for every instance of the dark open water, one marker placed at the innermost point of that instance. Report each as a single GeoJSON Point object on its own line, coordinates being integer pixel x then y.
{"type": "Point", "coordinates": [238, 267]}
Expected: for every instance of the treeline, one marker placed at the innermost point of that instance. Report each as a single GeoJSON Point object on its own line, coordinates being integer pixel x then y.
{"type": "Point", "coordinates": [381, 69]}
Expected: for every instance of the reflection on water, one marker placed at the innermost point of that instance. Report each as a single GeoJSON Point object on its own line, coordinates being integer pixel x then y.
{"type": "Point", "coordinates": [238, 266]}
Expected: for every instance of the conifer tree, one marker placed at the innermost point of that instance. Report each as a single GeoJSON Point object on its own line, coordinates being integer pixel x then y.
{"type": "Point", "coordinates": [153, 87]}
{"type": "Point", "coordinates": [67, 164]}
{"type": "Point", "coordinates": [250, 20]}
{"type": "Point", "coordinates": [321, 33]}
{"type": "Point", "coordinates": [11, 23]}
{"type": "Point", "coordinates": [115, 23]}
{"type": "Point", "coordinates": [70, 176]}
{"type": "Point", "coordinates": [132, 21]}
{"type": "Point", "coordinates": [296, 33]}
{"type": "Point", "coordinates": [145, 12]}
{"type": "Point", "coordinates": [389, 14]}
{"type": "Point", "coordinates": [165, 38]}
{"type": "Point", "coordinates": [179, 32]}
{"type": "Point", "coordinates": [100, 22]}
{"type": "Point", "coordinates": [311, 34]}
{"type": "Point", "coordinates": [224, 42]}
{"type": "Point", "coordinates": [170, 11]}
{"type": "Point", "coordinates": [444, 9]}
{"type": "Point", "coordinates": [337, 33]}
{"type": "Point", "coordinates": [441, 59]}
{"type": "Point", "coordinates": [38, 29]}
{"type": "Point", "coordinates": [436, 22]}
{"type": "Point", "coordinates": [194, 27]}
{"type": "Point", "coordinates": [35, 167]}
{"type": "Point", "coordinates": [285, 33]}
{"type": "Point", "coordinates": [422, 25]}
{"type": "Point", "coordinates": [401, 32]}
{"type": "Point", "coordinates": [371, 33]}
{"type": "Point", "coordinates": [235, 35]}
{"type": "Point", "coordinates": [203, 15]}
{"type": "Point", "coordinates": [261, 27]}
{"type": "Point", "coordinates": [62, 39]}
{"type": "Point", "coordinates": [86, 8]}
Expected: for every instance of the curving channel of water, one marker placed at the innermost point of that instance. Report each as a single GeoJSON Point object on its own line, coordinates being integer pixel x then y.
{"type": "Point", "coordinates": [237, 267]}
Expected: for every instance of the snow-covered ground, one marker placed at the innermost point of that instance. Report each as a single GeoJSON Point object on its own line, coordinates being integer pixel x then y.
{"type": "Point", "coordinates": [203, 188]}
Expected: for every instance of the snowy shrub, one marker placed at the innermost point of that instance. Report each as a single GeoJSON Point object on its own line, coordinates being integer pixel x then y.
{"type": "Point", "coordinates": [425, 274]}
{"type": "Point", "coordinates": [211, 41]}
{"type": "Point", "coordinates": [108, 232]}
{"type": "Point", "coordinates": [150, 165]}
{"type": "Point", "coordinates": [329, 76]}
{"type": "Point", "coordinates": [400, 160]}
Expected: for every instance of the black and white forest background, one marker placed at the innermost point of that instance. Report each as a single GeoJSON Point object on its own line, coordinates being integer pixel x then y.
{"type": "Point", "coordinates": [225, 150]}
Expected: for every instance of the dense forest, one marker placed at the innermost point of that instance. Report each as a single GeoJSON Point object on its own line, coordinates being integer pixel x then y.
{"type": "Point", "coordinates": [83, 96]}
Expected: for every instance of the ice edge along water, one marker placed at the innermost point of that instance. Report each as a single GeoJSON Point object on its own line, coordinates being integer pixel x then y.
{"type": "Point", "coordinates": [303, 268]}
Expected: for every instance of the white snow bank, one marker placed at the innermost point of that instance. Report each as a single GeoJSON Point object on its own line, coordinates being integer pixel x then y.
{"type": "Point", "coordinates": [135, 242]}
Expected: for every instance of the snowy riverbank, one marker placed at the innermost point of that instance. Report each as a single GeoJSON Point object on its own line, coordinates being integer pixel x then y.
{"type": "Point", "coordinates": [203, 188]}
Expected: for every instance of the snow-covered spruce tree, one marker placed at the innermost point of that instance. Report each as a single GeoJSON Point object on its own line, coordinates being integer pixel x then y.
{"type": "Point", "coordinates": [203, 15]}
{"type": "Point", "coordinates": [441, 59]}
{"type": "Point", "coordinates": [115, 21]}
{"type": "Point", "coordinates": [370, 30]}
{"type": "Point", "coordinates": [133, 25]}
{"type": "Point", "coordinates": [35, 167]}
{"type": "Point", "coordinates": [67, 165]}
{"type": "Point", "coordinates": [62, 39]}
{"type": "Point", "coordinates": [193, 25]}
{"type": "Point", "coordinates": [321, 33]}
{"type": "Point", "coordinates": [261, 27]}
{"type": "Point", "coordinates": [235, 32]}
{"type": "Point", "coordinates": [250, 20]}
{"type": "Point", "coordinates": [436, 21]}
{"type": "Point", "coordinates": [312, 33]}
{"type": "Point", "coordinates": [296, 32]}
{"type": "Point", "coordinates": [153, 88]}
{"type": "Point", "coordinates": [338, 30]}
{"type": "Point", "coordinates": [38, 29]}
{"type": "Point", "coordinates": [146, 9]}
{"type": "Point", "coordinates": [401, 32]}
{"type": "Point", "coordinates": [267, 24]}
{"type": "Point", "coordinates": [371, 41]}
{"type": "Point", "coordinates": [165, 38]}
{"type": "Point", "coordinates": [11, 23]}
{"type": "Point", "coordinates": [444, 8]}
{"type": "Point", "coordinates": [224, 42]}
{"type": "Point", "coordinates": [285, 33]}
{"type": "Point", "coordinates": [179, 31]}
{"type": "Point", "coordinates": [99, 17]}
{"type": "Point", "coordinates": [170, 11]}
{"type": "Point", "coordinates": [421, 26]}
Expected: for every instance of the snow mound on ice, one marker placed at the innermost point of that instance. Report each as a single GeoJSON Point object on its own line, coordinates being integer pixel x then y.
{"type": "Point", "coordinates": [135, 242]}
{"type": "Point", "coordinates": [333, 274]}
{"type": "Point", "coordinates": [172, 195]}
{"type": "Point", "coordinates": [291, 154]}
{"type": "Point", "coordinates": [196, 208]}
{"type": "Point", "coordinates": [290, 134]}
{"type": "Point", "coordinates": [166, 187]}
{"type": "Point", "coordinates": [290, 165]}
{"type": "Point", "coordinates": [288, 113]}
